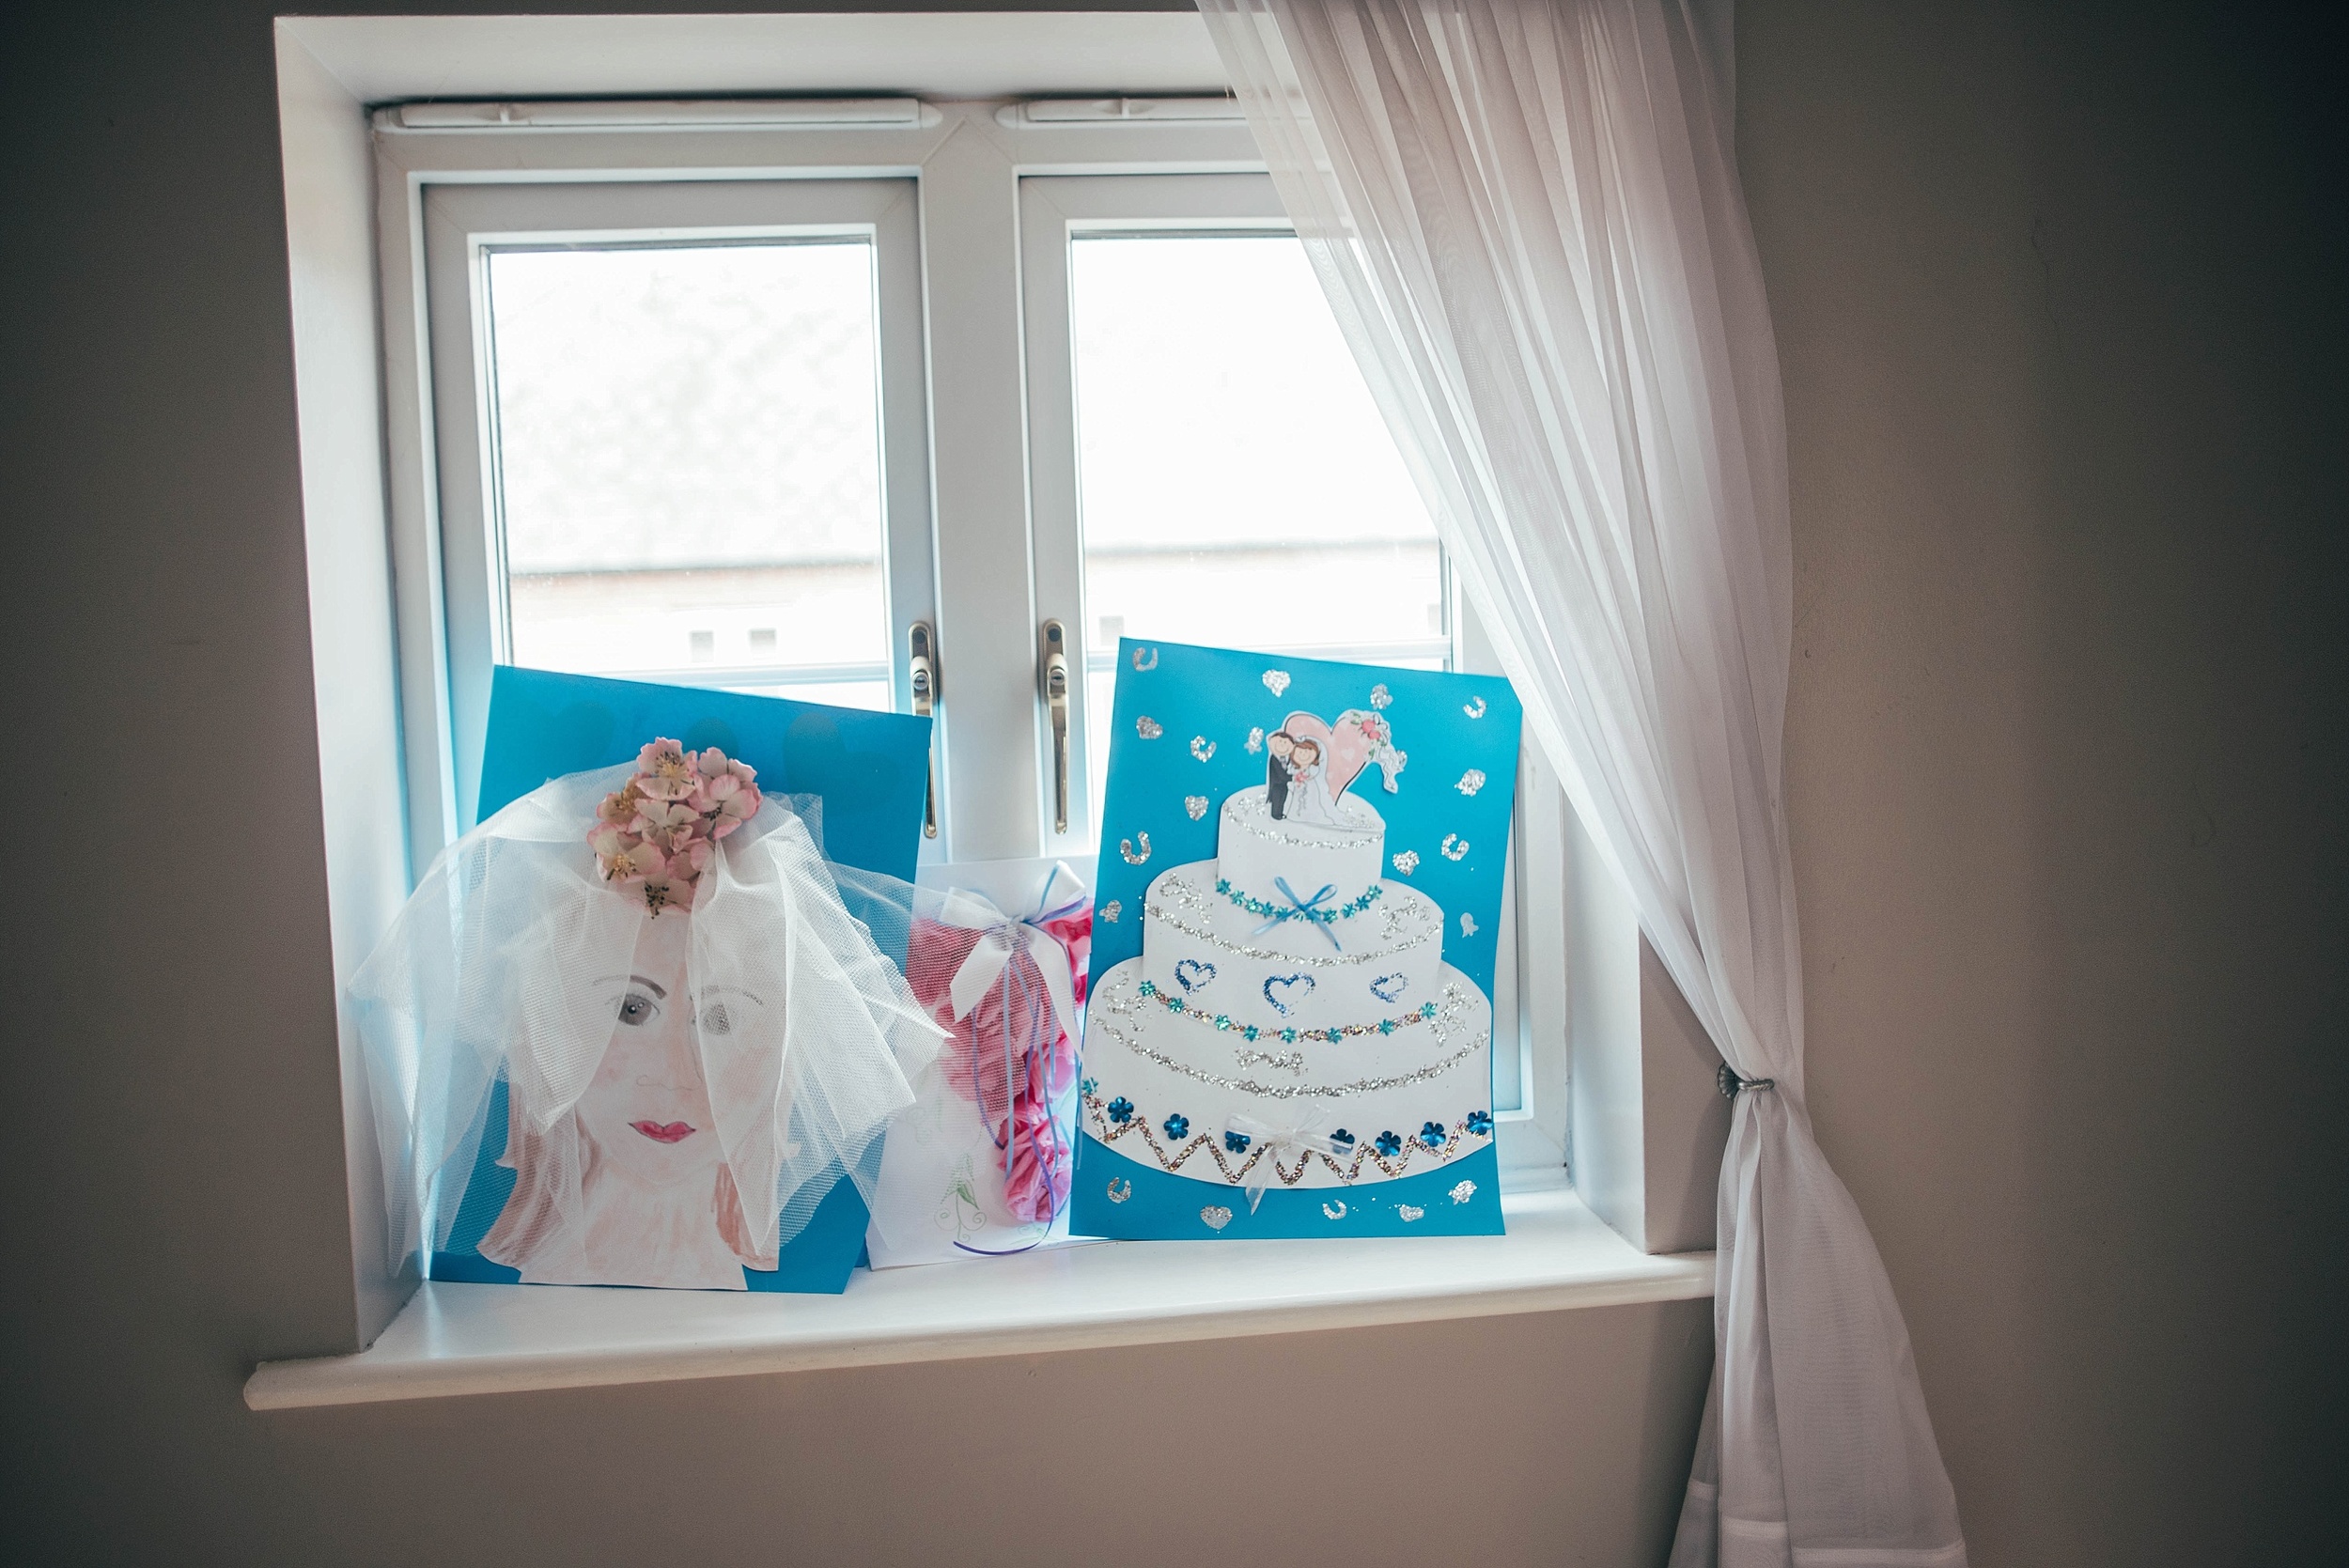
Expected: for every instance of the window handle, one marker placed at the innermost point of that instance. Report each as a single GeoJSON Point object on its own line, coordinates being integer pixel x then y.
{"type": "Point", "coordinates": [1055, 680]}
{"type": "Point", "coordinates": [921, 661]}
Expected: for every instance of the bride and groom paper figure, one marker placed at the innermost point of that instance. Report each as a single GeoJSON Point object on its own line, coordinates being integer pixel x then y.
{"type": "Point", "coordinates": [1310, 762]}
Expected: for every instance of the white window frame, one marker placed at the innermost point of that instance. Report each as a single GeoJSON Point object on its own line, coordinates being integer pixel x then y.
{"type": "Point", "coordinates": [361, 361]}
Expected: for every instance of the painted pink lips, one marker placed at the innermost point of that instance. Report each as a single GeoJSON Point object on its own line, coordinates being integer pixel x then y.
{"type": "Point", "coordinates": [672, 1132]}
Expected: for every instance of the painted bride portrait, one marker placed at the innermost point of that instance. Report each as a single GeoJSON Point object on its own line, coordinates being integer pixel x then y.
{"type": "Point", "coordinates": [656, 1202]}
{"type": "Point", "coordinates": [696, 1039]}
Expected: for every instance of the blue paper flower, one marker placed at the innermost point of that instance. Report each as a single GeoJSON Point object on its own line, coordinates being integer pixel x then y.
{"type": "Point", "coordinates": [1178, 1126]}
{"type": "Point", "coordinates": [1389, 1145]}
{"type": "Point", "coordinates": [1480, 1122]}
{"type": "Point", "coordinates": [1235, 1142]}
{"type": "Point", "coordinates": [1121, 1111]}
{"type": "Point", "coordinates": [1432, 1134]}
{"type": "Point", "coordinates": [1342, 1139]}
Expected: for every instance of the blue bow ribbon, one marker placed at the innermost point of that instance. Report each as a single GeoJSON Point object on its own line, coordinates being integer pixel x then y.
{"type": "Point", "coordinates": [1303, 908]}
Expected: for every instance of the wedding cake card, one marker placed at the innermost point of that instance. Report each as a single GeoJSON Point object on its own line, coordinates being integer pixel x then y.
{"type": "Point", "coordinates": [1289, 1024]}
{"type": "Point", "coordinates": [869, 769]}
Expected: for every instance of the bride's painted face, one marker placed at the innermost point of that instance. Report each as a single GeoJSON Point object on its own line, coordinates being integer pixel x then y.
{"type": "Point", "coordinates": [647, 1107]}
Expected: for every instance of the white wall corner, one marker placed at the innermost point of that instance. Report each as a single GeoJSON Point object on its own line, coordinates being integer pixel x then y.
{"type": "Point", "coordinates": [330, 243]}
{"type": "Point", "coordinates": [1649, 1121]}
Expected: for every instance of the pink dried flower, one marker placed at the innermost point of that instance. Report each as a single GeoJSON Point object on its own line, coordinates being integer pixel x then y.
{"type": "Point", "coordinates": [664, 771]}
{"type": "Point", "coordinates": [666, 822]}
{"type": "Point", "coordinates": [655, 834]}
{"type": "Point", "coordinates": [625, 858]}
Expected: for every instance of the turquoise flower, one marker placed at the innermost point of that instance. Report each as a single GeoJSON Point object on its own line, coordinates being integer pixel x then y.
{"type": "Point", "coordinates": [1479, 1122]}
{"type": "Point", "coordinates": [1389, 1145]}
{"type": "Point", "coordinates": [1178, 1126]}
{"type": "Point", "coordinates": [1121, 1111]}
{"type": "Point", "coordinates": [1235, 1142]}
{"type": "Point", "coordinates": [1432, 1134]}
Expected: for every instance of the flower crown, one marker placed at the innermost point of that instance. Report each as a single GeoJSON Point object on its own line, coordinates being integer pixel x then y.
{"type": "Point", "coordinates": [656, 834]}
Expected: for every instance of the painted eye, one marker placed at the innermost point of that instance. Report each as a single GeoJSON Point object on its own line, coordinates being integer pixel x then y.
{"type": "Point", "coordinates": [637, 1009]}
{"type": "Point", "coordinates": [716, 1020]}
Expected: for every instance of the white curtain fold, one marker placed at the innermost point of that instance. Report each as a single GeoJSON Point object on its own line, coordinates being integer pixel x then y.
{"type": "Point", "coordinates": [1528, 221]}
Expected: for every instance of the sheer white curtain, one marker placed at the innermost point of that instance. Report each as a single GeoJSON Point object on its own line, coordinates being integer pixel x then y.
{"type": "Point", "coordinates": [1528, 219]}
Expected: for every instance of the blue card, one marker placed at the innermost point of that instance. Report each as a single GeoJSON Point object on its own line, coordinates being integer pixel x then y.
{"type": "Point", "coordinates": [871, 770]}
{"type": "Point", "coordinates": [1289, 1025]}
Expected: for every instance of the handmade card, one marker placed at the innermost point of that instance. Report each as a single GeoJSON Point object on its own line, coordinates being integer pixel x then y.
{"type": "Point", "coordinates": [869, 772]}
{"type": "Point", "coordinates": [1289, 1029]}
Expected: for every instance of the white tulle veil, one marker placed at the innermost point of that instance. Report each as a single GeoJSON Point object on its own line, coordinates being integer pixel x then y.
{"type": "Point", "coordinates": [492, 973]}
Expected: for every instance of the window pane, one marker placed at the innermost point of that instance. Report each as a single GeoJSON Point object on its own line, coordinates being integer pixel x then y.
{"type": "Point", "coordinates": [687, 445]}
{"type": "Point", "coordinates": [1238, 486]}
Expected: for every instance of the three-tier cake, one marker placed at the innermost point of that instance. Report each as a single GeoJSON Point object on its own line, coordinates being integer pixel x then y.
{"type": "Point", "coordinates": [1291, 1008]}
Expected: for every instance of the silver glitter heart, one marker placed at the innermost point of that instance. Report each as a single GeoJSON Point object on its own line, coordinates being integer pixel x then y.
{"type": "Point", "coordinates": [1406, 862]}
{"type": "Point", "coordinates": [1463, 1192]}
{"type": "Point", "coordinates": [1196, 805]}
{"type": "Point", "coordinates": [1408, 1212]}
{"type": "Point", "coordinates": [1276, 682]}
{"type": "Point", "coordinates": [1217, 1216]}
{"type": "Point", "coordinates": [1148, 728]}
{"type": "Point", "coordinates": [1470, 782]}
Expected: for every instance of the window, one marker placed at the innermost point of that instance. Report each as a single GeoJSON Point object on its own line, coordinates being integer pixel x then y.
{"type": "Point", "coordinates": [668, 419]}
{"type": "Point", "coordinates": [1217, 472]}
{"type": "Point", "coordinates": [750, 407]}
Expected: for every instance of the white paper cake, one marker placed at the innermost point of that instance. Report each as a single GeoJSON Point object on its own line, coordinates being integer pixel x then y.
{"type": "Point", "coordinates": [1289, 985]}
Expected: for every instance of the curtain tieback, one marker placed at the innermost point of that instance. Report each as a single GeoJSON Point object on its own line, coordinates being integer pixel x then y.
{"type": "Point", "coordinates": [1730, 1082]}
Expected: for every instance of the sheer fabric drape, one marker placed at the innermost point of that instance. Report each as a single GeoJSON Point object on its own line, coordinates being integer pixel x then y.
{"type": "Point", "coordinates": [1528, 222]}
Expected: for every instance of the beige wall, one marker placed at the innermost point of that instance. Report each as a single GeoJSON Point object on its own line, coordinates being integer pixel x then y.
{"type": "Point", "coordinates": [2059, 307]}
{"type": "Point", "coordinates": [2057, 295]}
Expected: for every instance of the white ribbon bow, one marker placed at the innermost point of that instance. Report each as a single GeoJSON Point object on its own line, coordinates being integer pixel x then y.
{"type": "Point", "coordinates": [1002, 935]}
{"type": "Point", "coordinates": [1302, 1133]}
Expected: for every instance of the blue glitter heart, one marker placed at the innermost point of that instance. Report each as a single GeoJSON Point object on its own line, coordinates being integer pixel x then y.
{"type": "Point", "coordinates": [1288, 982]}
{"type": "Point", "coordinates": [1191, 974]}
{"type": "Point", "coordinates": [1390, 987]}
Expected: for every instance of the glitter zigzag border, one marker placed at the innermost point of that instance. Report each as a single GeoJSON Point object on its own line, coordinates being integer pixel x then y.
{"type": "Point", "coordinates": [1106, 1132]}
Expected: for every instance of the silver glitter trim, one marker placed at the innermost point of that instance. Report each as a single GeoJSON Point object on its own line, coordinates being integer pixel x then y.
{"type": "Point", "coordinates": [1119, 1006]}
{"type": "Point", "coordinates": [1182, 893]}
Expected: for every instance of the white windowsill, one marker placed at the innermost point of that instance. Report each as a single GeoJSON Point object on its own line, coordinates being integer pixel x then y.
{"type": "Point", "coordinates": [452, 1339]}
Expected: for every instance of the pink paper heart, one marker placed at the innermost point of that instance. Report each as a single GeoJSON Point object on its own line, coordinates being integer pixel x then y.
{"type": "Point", "coordinates": [1345, 746]}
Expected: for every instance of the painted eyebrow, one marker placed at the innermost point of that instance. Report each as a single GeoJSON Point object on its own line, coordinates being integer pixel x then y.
{"type": "Point", "coordinates": [652, 986]}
